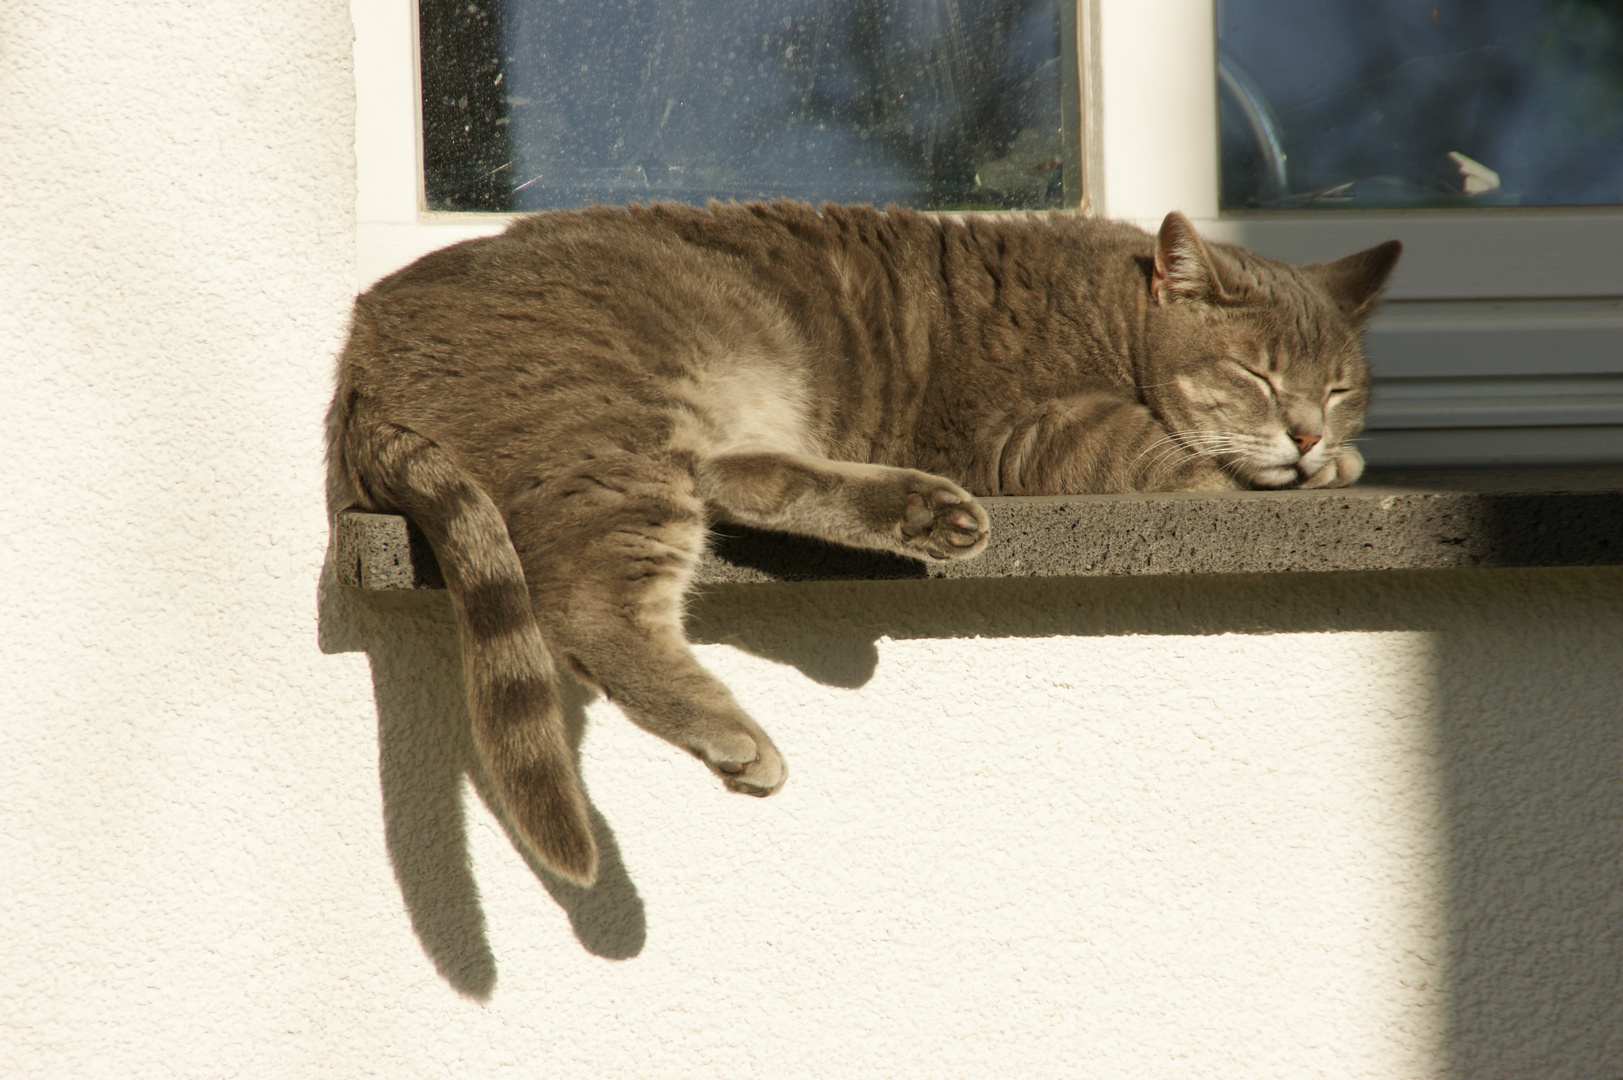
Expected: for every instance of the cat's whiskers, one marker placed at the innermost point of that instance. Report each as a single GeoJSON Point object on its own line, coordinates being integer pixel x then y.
{"type": "Point", "coordinates": [1185, 447]}
{"type": "Point", "coordinates": [1181, 439]}
{"type": "Point", "coordinates": [1169, 446]}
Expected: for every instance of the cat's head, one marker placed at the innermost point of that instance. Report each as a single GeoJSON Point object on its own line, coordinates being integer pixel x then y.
{"type": "Point", "coordinates": [1259, 364]}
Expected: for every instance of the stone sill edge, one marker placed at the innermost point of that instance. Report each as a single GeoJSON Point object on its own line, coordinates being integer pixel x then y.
{"type": "Point", "coordinates": [1520, 518]}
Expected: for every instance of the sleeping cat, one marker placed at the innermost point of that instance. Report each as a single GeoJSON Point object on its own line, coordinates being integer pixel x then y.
{"type": "Point", "coordinates": [562, 409]}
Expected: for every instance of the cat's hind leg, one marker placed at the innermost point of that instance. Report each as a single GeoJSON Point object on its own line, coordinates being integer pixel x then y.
{"type": "Point", "coordinates": [870, 506]}
{"type": "Point", "coordinates": [609, 545]}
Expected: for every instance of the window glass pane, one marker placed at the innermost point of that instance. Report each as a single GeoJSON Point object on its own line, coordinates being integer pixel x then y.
{"type": "Point", "coordinates": [930, 103]}
{"type": "Point", "coordinates": [1365, 103]}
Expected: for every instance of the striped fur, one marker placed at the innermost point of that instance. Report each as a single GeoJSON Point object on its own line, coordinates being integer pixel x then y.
{"type": "Point", "coordinates": [509, 672]}
{"type": "Point", "coordinates": [562, 409]}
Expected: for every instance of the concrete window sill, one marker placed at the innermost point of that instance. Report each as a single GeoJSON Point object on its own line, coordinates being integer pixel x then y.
{"type": "Point", "coordinates": [1393, 520]}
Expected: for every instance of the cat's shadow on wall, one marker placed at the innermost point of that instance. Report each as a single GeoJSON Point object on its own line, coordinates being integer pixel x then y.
{"type": "Point", "coordinates": [828, 630]}
{"type": "Point", "coordinates": [425, 755]}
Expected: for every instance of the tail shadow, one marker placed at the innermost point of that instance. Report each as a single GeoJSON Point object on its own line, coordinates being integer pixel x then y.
{"type": "Point", "coordinates": [425, 750]}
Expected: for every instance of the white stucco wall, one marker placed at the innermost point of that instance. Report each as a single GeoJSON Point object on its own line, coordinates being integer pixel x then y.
{"type": "Point", "coordinates": [1333, 826]}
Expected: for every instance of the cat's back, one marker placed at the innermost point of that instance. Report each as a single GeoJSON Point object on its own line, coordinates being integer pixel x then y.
{"type": "Point", "coordinates": [665, 325]}
{"type": "Point", "coordinates": [656, 275]}
{"type": "Point", "coordinates": [546, 255]}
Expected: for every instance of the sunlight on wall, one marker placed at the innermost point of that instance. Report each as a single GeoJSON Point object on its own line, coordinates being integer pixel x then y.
{"type": "Point", "coordinates": [981, 864]}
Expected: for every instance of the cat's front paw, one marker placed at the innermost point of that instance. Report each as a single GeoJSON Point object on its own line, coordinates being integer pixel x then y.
{"type": "Point", "coordinates": [943, 521]}
{"type": "Point", "coordinates": [1339, 471]}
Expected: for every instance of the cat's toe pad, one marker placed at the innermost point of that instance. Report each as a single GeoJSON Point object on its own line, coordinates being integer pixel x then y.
{"type": "Point", "coordinates": [944, 523]}
{"type": "Point", "coordinates": [916, 517]}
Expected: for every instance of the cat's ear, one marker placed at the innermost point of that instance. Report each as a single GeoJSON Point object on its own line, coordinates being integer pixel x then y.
{"type": "Point", "coordinates": [1184, 269]}
{"type": "Point", "coordinates": [1357, 280]}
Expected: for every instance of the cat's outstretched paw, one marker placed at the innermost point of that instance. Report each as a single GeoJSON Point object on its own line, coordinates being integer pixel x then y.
{"type": "Point", "coordinates": [748, 764]}
{"type": "Point", "coordinates": [1339, 471]}
{"type": "Point", "coordinates": [943, 521]}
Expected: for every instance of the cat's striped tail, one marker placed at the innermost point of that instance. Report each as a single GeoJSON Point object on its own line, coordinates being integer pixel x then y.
{"type": "Point", "coordinates": [512, 681]}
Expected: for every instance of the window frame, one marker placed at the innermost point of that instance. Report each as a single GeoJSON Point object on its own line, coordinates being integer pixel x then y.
{"type": "Point", "coordinates": [1148, 135]}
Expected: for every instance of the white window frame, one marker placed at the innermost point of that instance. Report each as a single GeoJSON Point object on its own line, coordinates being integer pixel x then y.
{"type": "Point", "coordinates": [1506, 294]}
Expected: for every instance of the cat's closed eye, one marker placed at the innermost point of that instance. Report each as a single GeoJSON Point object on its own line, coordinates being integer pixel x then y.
{"type": "Point", "coordinates": [1267, 383]}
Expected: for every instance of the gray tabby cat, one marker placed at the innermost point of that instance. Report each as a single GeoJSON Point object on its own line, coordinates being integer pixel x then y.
{"type": "Point", "coordinates": [563, 408]}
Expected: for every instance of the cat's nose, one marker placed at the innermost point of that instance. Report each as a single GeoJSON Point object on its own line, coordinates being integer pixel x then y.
{"type": "Point", "coordinates": [1304, 443]}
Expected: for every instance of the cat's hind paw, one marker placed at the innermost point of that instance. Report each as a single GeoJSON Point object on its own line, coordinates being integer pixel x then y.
{"type": "Point", "coordinates": [748, 764]}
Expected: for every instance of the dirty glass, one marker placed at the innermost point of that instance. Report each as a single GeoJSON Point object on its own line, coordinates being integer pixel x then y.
{"type": "Point", "coordinates": [939, 104]}
{"type": "Point", "coordinates": [1440, 103]}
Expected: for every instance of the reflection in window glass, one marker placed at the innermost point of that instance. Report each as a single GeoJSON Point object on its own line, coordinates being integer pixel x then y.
{"type": "Point", "coordinates": [1355, 103]}
{"type": "Point", "coordinates": [939, 104]}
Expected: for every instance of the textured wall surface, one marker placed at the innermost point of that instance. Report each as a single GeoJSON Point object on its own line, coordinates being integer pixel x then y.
{"type": "Point", "coordinates": [1311, 825]}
